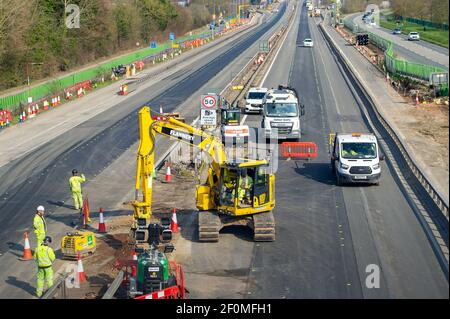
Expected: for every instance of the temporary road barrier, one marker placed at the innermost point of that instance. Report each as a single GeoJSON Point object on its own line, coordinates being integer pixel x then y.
{"type": "Point", "coordinates": [305, 150]}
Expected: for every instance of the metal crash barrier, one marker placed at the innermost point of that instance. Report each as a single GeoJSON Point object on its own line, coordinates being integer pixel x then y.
{"type": "Point", "coordinates": [303, 150]}
{"type": "Point", "coordinates": [58, 290]}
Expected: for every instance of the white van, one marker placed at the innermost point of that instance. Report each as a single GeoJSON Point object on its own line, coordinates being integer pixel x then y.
{"type": "Point", "coordinates": [355, 158]}
{"type": "Point", "coordinates": [254, 100]}
{"type": "Point", "coordinates": [281, 114]}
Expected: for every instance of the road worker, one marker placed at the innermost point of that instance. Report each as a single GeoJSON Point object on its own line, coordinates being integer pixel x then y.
{"type": "Point", "coordinates": [39, 225]}
{"type": "Point", "coordinates": [245, 187]}
{"type": "Point", "coordinates": [44, 256]}
{"type": "Point", "coordinates": [75, 186]}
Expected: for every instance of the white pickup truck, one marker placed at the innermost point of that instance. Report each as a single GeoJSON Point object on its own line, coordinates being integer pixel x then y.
{"type": "Point", "coordinates": [355, 158]}
{"type": "Point", "coordinates": [281, 114]}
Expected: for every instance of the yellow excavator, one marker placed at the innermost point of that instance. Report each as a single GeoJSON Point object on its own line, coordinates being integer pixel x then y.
{"type": "Point", "coordinates": [233, 192]}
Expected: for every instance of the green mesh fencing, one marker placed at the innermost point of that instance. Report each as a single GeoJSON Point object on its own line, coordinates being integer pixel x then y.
{"type": "Point", "coordinates": [13, 102]}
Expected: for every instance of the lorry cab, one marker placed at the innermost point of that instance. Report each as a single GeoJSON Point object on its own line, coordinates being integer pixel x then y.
{"type": "Point", "coordinates": [355, 158]}
{"type": "Point", "coordinates": [254, 100]}
{"type": "Point", "coordinates": [281, 114]}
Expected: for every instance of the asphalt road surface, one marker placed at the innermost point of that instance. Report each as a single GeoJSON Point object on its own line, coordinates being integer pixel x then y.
{"type": "Point", "coordinates": [328, 235]}
{"type": "Point", "coordinates": [414, 51]}
{"type": "Point", "coordinates": [41, 177]}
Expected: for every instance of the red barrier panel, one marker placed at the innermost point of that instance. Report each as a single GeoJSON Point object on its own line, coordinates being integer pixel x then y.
{"type": "Point", "coordinates": [5, 115]}
{"type": "Point", "coordinates": [299, 149]}
{"type": "Point", "coordinates": [72, 90]}
{"type": "Point", "coordinates": [139, 65]}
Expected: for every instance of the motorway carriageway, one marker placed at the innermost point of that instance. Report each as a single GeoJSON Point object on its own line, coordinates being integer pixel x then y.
{"type": "Point", "coordinates": [328, 235]}
{"type": "Point", "coordinates": [41, 177]}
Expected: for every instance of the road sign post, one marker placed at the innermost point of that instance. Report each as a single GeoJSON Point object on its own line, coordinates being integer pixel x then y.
{"type": "Point", "coordinates": [208, 109]}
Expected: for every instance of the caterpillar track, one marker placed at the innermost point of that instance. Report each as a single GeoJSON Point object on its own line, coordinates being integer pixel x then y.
{"type": "Point", "coordinates": [210, 223]}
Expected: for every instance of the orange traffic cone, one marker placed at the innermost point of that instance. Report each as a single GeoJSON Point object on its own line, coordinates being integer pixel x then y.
{"type": "Point", "coordinates": [24, 117]}
{"type": "Point", "coordinates": [174, 223]}
{"type": "Point", "coordinates": [80, 270]}
{"type": "Point", "coordinates": [135, 256]}
{"type": "Point", "coordinates": [101, 223]}
{"type": "Point", "coordinates": [27, 255]}
{"type": "Point", "coordinates": [168, 173]}
{"type": "Point", "coordinates": [37, 109]}
{"type": "Point", "coordinates": [86, 218]}
{"type": "Point", "coordinates": [417, 99]}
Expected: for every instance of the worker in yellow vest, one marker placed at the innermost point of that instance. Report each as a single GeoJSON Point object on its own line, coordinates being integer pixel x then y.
{"type": "Point", "coordinates": [44, 256]}
{"type": "Point", "coordinates": [75, 186]}
{"type": "Point", "coordinates": [39, 225]}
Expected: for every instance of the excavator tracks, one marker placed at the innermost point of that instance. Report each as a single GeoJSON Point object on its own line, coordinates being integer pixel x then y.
{"type": "Point", "coordinates": [263, 227]}
{"type": "Point", "coordinates": [209, 226]}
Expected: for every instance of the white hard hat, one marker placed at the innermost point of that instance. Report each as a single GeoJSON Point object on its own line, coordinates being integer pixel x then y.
{"type": "Point", "coordinates": [41, 208]}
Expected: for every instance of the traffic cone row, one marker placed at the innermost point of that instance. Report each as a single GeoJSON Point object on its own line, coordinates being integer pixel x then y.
{"type": "Point", "coordinates": [27, 255]}
{"type": "Point", "coordinates": [33, 110]}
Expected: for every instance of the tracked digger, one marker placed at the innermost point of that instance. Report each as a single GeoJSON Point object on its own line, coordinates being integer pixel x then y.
{"type": "Point", "coordinates": [225, 196]}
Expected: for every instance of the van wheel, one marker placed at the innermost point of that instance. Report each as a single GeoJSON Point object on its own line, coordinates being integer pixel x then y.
{"type": "Point", "coordinates": [333, 168]}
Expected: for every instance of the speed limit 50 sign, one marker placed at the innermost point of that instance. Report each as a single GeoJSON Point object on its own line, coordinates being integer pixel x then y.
{"type": "Point", "coordinates": [209, 101]}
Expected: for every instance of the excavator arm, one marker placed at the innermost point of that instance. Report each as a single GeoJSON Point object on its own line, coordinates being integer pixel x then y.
{"type": "Point", "coordinates": [173, 129]}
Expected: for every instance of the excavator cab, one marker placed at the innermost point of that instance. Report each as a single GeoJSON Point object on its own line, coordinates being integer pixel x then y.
{"type": "Point", "coordinates": [244, 187]}
{"type": "Point", "coordinates": [245, 197]}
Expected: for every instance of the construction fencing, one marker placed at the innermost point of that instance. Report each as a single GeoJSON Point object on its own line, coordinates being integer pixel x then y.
{"type": "Point", "coordinates": [14, 102]}
{"type": "Point", "coordinates": [394, 65]}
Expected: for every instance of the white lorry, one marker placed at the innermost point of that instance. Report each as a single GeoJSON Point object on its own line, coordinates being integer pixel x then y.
{"type": "Point", "coordinates": [355, 158]}
{"type": "Point", "coordinates": [254, 100]}
{"type": "Point", "coordinates": [281, 114]}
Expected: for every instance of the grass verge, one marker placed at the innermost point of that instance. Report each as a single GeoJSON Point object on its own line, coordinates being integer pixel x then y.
{"type": "Point", "coordinates": [436, 36]}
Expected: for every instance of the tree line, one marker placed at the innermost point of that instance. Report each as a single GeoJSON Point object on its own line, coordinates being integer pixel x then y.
{"type": "Point", "coordinates": [35, 41]}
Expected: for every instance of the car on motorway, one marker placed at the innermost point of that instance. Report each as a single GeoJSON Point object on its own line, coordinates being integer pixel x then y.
{"type": "Point", "coordinates": [413, 36]}
{"type": "Point", "coordinates": [254, 99]}
{"type": "Point", "coordinates": [308, 43]}
{"type": "Point", "coordinates": [355, 158]}
{"type": "Point", "coordinates": [281, 114]}
{"type": "Point", "coordinates": [397, 31]}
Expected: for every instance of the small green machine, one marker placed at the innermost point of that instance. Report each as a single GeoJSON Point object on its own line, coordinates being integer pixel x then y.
{"type": "Point", "coordinates": [153, 272]}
